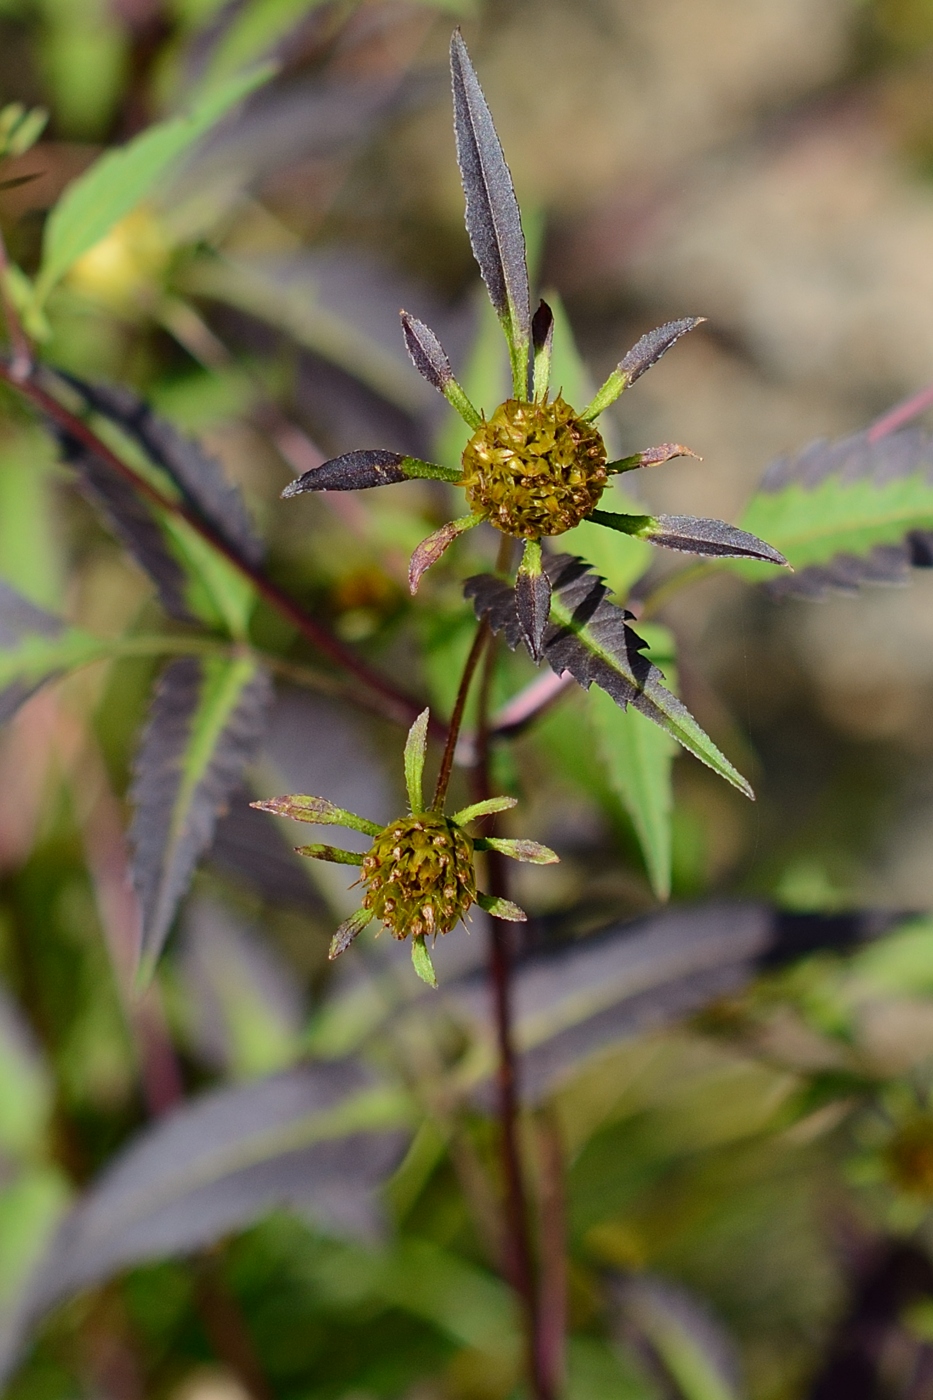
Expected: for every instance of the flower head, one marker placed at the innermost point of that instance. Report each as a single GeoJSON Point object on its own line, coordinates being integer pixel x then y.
{"type": "Point", "coordinates": [534, 467]}
{"type": "Point", "coordinates": [419, 874]}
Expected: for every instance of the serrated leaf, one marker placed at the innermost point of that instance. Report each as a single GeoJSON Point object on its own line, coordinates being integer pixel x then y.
{"type": "Point", "coordinates": [317, 1139]}
{"type": "Point", "coordinates": [847, 513]}
{"type": "Point", "coordinates": [318, 810]}
{"type": "Point", "coordinates": [493, 219]}
{"type": "Point", "coordinates": [416, 747]}
{"type": "Point", "coordinates": [590, 638]}
{"type": "Point", "coordinates": [122, 178]}
{"type": "Point", "coordinates": [206, 719]}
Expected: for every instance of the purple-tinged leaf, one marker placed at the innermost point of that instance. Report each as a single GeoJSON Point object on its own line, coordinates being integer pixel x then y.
{"type": "Point", "coordinates": [590, 637]}
{"type": "Point", "coordinates": [318, 810]}
{"type": "Point", "coordinates": [19, 620]}
{"type": "Point", "coordinates": [332, 853]}
{"type": "Point", "coordinates": [652, 457]}
{"type": "Point", "coordinates": [133, 522]}
{"type": "Point", "coordinates": [498, 908]}
{"type": "Point", "coordinates": [347, 931]}
{"type": "Point", "coordinates": [713, 539]}
{"type": "Point", "coordinates": [354, 471]}
{"type": "Point", "coordinates": [431, 549]}
{"type": "Point", "coordinates": [317, 1139]}
{"type": "Point", "coordinates": [542, 342]}
{"type": "Point", "coordinates": [530, 852]}
{"type": "Point", "coordinates": [493, 219]}
{"type": "Point", "coordinates": [206, 720]}
{"type": "Point", "coordinates": [643, 354]}
{"type": "Point", "coordinates": [427, 353]}
{"type": "Point", "coordinates": [533, 598]}
{"type": "Point", "coordinates": [199, 477]}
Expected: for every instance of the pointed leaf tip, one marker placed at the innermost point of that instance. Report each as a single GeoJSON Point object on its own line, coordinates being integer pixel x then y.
{"type": "Point", "coordinates": [533, 600]}
{"type": "Point", "coordinates": [354, 471]}
{"type": "Point", "coordinates": [421, 961]}
{"type": "Point", "coordinates": [648, 350]}
{"type": "Point", "coordinates": [348, 930]}
{"type": "Point", "coordinates": [426, 352]}
{"type": "Point", "coordinates": [710, 538]}
{"type": "Point", "coordinates": [416, 747]}
{"type": "Point", "coordinates": [499, 908]}
{"type": "Point", "coordinates": [493, 219]}
{"type": "Point", "coordinates": [431, 549]}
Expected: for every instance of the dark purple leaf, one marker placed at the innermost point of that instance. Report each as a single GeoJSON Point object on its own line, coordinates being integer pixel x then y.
{"type": "Point", "coordinates": [647, 351]}
{"type": "Point", "coordinates": [493, 219]}
{"type": "Point", "coordinates": [542, 341]}
{"type": "Point", "coordinates": [20, 619]}
{"type": "Point", "coordinates": [713, 538]}
{"type": "Point", "coordinates": [212, 1166]}
{"type": "Point", "coordinates": [206, 720]}
{"type": "Point", "coordinates": [354, 471]}
{"type": "Point", "coordinates": [199, 477]}
{"type": "Point", "coordinates": [533, 605]}
{"type": "Point", "coordinates": [134, 523]}
{"type": "Point", "coordinates": [426, 352]}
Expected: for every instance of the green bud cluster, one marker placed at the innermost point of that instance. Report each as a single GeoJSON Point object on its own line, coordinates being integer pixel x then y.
{"type": "Point", "coordinates": [534, 469]}
{"type": "Point", "coordinates": [419, 876]}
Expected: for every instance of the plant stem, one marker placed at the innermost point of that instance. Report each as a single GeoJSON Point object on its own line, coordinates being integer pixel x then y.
{"type": "Point", "coordinates": [395, 703]}
{"type": "Point", "coordinates": [519, 1261]}
{"type": "Point", "coordinates": [456, 719]}
{"type": "Point", "coordinates": [21, 366]}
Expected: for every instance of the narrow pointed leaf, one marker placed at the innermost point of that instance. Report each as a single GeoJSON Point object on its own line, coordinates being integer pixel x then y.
{"type": "Point", "coordinates": [317, 810]}
{"type": "Point", "coordinates": [651, 457]}
{"type": "Point", "coordinates": [428, 357]}
{"type": "Point", "coordinates": [122, 178]}
{"type": "Point", "coordinates": [416, 747]}
{"type": "Point", "coordinates": [486, 808]}
{"type": "Point", "coordinates": [493, 219]}
{"type": "Point", "coordinates": [354, 471]}
{"type": "Point", "coordinates": [206, 720]}
{"type": "Point", "coordinates": [846, 514]}
{"type": "Point", "coordinates": [421, 961]}
{"type": "Point", "coordinates": [331, 853]}
{"type": "Point", "coordinates": [347, 931]}
{"type": "Point", "coordinates": [712, 538]}
{"type": "Point", "coordinates": [530, 852]}
{"type": "Point", "coordinates": [643, 354]}
{"type": "Point", "coordinates": [590, 637]}
{"type": "Point", "coordinates": [501, 909]}
{"type": "Point", "coordinates": [431, 549]}
{"type": "Point", "coordinates": [542, 341]}
{"type": "Point", "coordinates": [199, 477]}
{"type": "Point", "coordinates": [532, 598]}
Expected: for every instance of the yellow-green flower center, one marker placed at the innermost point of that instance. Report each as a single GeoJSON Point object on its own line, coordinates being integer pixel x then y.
{"type": "Point", "coordinates": [419, 875]}
{"type": "Point", "coordinates": [534, 469]}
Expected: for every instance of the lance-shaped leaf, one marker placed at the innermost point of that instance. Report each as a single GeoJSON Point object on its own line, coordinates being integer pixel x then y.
{"type": "Point", "coordinates": [199, 477]}
{"type": "Point", "coordinates": [847, 513]}
{"type": "Point", "coordinates": [358, 471]}
{"type": "Point", "coordinates": [713, 539]}
{"type": "Point", "coordinates": [532, 598]}
{"type": "Point", "coordinates": [428, 357]}
{"type": "Point", "coordinates": [542, 343]}
{"type": "Point", "coordinates": [493, 219]}
{"type": "Point", "coordinates": [318, 810]}
{"type": "Point", "coordinates": [589, 637]}
{"type": "Point", "coordinates": [416, 747]}
{"type": "Point", "coordinates": [348, 930]}
{"type": "Point", "coordinates": [530, 852]}
{"type": "Point", "coordinates": [486, 808]}
{"type": "Point", "coordinates": [120, 179]}
{"type": "Point", "coordinates": [651, 457]}
{"type": "Point", "coordinates": [499, 908]}
{"type": "Point", "coordinates": [206, 720]}
{"type": "Point", "coordinates": [421, 961]}
{"type": "Point", "coordinates": [316, 1139]}
{"type": "Point", "coordinates": [431, 549]}
{"type": "Point", "coordinates": [643, 354]}
{"type": "Point", "coordinates": [335, 854]}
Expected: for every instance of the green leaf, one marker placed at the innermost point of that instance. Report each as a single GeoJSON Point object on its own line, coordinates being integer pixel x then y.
{"type": "Point", "coordinates": [416, 746]}
{"type": "Point", "coordinates": [318, 810]}
{"type": "Point", "coordinates": [485, 380]}
{"type": "Point", "coordinates": [206, 719]}
{"type": "Point", "coordinates": [421, 961]}
{"type": "Point", "coordinates": [500, 908]}
{"type": "Point", "coordinates": [531, 852]}
{"type": "Point", "coordinates": [316, 851]}
{"type": "Point", "coordinates": [30, 549]}
{"type": "Point", "coordinates": [254, 32]}
{"type": "Point", "coordinates": [122, 178]}
{"type": "Point", "coordinates": [215, 590]}
{"type": "Point", "coordinates": [483, 809]}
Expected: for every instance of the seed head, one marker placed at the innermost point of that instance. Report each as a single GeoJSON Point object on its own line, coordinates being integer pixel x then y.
{"type": "Point", "coordinates": [419, 875]}
{"type": "Point", "coordinates": [534, 469]}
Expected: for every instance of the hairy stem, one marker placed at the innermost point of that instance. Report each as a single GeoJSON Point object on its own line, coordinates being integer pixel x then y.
{"type": "Point", "coordinates": [456, 719]}
{"type": "Point", "coordinates": [519, 1261]}
{"type": "Point", "coordinates": [394, 703]}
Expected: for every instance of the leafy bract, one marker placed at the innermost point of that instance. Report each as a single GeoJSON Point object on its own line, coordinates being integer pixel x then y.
{"type": "Point", "coordinates": [207, 717]}
{"type": "Point", "coordinates": [847, 513]}
{"type": "Point", "coordinates": [416, 747]}
{"type": "Point", "coordinates": [638, 758]}
{"type": "Point", "coordinates": [643, 354]}
{"type": "Point", "coordinates": [120, 179]}
{"type": "Point", "coordinates": [493, 219]}
{"type": "Point", "coordinates": [590, 638]}
{"type": "Point", "coordinates": [318, 1139]}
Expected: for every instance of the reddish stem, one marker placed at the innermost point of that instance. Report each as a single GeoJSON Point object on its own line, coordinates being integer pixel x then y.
{"type": "Point", "coordinates": [394, 702]}
{"type": "Point", "coordinates": [900, 414]}
{"type": "Point", "coordinates": [552, 1321]}
{"type": "Point", "coordinates": [456, 718]}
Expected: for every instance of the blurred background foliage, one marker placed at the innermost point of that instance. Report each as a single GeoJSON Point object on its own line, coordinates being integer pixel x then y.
{"type": "Point", "coordinates": [749, 1143]}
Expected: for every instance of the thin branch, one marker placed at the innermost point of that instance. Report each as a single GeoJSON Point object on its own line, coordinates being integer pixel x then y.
{"type": "Point", "coordinates": [22, 363]}
{"type": "Point", "coordinates": [900, 414]}
{"type": "Point", "coordinates": [552, 1328]}
{"type": "Point", "coordinates": [395, 703]}
{"type": "Point", "coordinates": [456, 719]}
